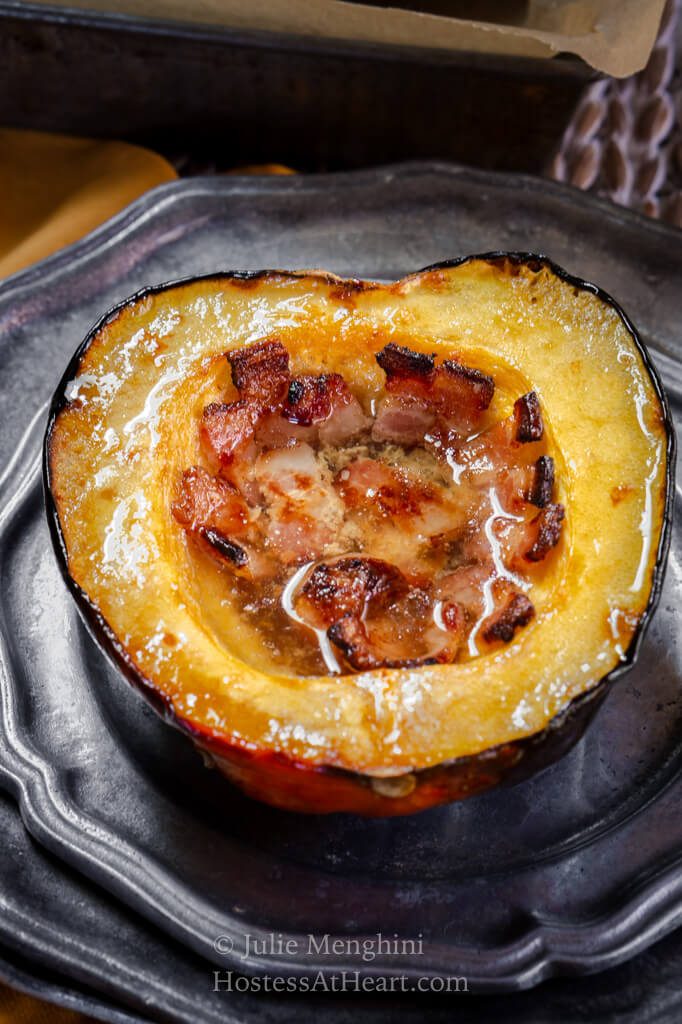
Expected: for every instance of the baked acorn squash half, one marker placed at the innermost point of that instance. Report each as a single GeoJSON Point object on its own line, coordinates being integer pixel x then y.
{"type": "Point", "coordinates": [374, 546]}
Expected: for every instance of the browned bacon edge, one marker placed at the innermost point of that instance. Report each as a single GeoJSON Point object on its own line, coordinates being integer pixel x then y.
{"type": "Point", "coordinates": [528, 417]}
{"type": "Point", "coordinates": [350, 637]}
{"type": "Point", "coordinates": [548, 524]}
{"type": "Point", "coordinates": [517, 613]}
{"type": "Point", "coordinates": [400, 361]}
{"type": "Point", "coordinates": [335, 589]}
{"type": "Point", "coordinates": [540, 493]}
{"type": "Point", "coordinates": [309, 399]}
{"type": "Point", "coordinates": [224, 547]}
{"type": "Point", "coordinates": [260, 372]}
{"type": "Point", "coordinates": [481, 386]}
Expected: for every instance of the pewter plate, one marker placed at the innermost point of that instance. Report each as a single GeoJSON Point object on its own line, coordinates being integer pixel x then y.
{"type": "Point", "coordinates": [64, 940]}
{"type": "Point", "coordinates": [572, 871]}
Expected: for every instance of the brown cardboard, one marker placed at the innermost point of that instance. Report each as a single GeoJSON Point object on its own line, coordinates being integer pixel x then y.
{"type": "Point", "coordinates": [614, 36]}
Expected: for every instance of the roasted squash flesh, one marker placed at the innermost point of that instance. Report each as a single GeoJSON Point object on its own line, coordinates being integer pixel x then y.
{"type": "Point", "coordinates": [127, 426]}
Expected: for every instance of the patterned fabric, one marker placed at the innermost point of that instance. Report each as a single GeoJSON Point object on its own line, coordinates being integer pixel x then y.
{"type": "Point", "coordinates": [625, 139]}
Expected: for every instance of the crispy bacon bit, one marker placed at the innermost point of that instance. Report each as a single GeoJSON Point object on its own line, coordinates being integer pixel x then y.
{"type": "Point", "coordinates": [547, 531]}
{"type": "Point", "coordinates": [532, 540]}
{"type": "Point", "coordinates": [528, 417]}
{"type": "Point", "coordinates": [226, 429]}
{"type": "Point", "coordinates": [399, 362]}
{"type": "Point", "coordinates": [226, 548]}
{"type": "Point", "coordinates": [260, 373]}
{"type": "Point", "coordinates": [309, 399]}
{"type": "Point", "coordinates": [373, 615]}
{"type": "Point", "coordinates": [326, 401]}
{"type": "Point", "coordinates": [540, 493]}
{"type": "Point", "coordinates": [347, 586]}
{"type": "Point", "coordinates": [462, 595]}
{"type": "Point", "coordinates": [457, 386]}
{"type": "Point", "coordinates": [207, 501]}
{"type": "Point", "coordinates": [503, 625]}
{"type": "Point", "coordinates": [212, 510]}
{"type": "Point", "coordinates": [421, 393]}
{"type": "Point", "coordinates": [350, 636]}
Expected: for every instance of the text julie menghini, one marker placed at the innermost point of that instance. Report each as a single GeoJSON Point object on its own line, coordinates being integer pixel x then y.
{"type": "Point", "coordinates": [309, 951]}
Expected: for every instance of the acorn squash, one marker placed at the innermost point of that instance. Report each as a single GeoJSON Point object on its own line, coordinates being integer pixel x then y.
{"type": "Point", "coordinates": [199, 419]}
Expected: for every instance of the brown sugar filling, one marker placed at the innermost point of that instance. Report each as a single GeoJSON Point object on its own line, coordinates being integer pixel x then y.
{"type": "Point", "coordinates": [355, 538]}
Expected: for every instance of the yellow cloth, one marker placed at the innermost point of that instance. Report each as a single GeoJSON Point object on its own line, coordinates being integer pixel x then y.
{"type": "Point", "coordinates": [16, 1008]}
{"type": "Point", "coordinates": [55, 189]}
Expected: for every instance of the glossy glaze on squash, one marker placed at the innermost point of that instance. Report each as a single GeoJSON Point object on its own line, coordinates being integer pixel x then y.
{"type": "Point", "coordinates": [388, 740]}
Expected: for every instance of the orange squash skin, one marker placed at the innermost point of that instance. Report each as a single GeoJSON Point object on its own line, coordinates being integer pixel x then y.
{"type": "Point", "coordinates": [278, 776]}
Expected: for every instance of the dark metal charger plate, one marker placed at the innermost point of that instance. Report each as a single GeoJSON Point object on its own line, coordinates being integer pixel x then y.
{"type": "Point", "coordinates": [572, 871]}
{"type": "Point", "coordinates": [62, 939]}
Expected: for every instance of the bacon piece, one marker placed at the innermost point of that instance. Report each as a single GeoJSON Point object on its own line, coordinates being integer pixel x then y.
{"type": "Point", "coordinates": [209, 502]}
{"type": "Point", "coordinates": [451, 388]}
{"type": "Point", "coordinates": [528, 418]}
{"type": "Point", "coordinates": [213, 512]}
{"type": "Point", "coordinates": [413, 504]}
{"type": "Point", "coordinates": [452, 394]}
{"type": "Point", "coordinates": [274, 431]}
{"type": "Point", "coordinates": [464, 590]}
{"type": "Point", "coordinates": [227, 549]}
{"type": "Point", "coordinates": [309, 399]}
{"type": "Point", "coordinates": [403, 420]}
{"type": "Point", "coordinates": [518, 486]}
{"type": "Point", "coordinates": [461, 393]}
{"type": "Point", "coordinates": [532, 541]}
{"type": "Point", "coordinates": [346, 421]}
{"type": "Point", "coordinates": [512, 486]}
{"type": "Point", "coordinates": [498, 450]}
{"type": "Point", "coordinates": [346, 586]}
{"type": "Point", "coordinates": [350, 637]}
{"type": "Point", "coordinates": [363, 653]}
{"type": "Point", "coordinates": [547, 527]}
{"type": "Point", "coordinates": [540, 493]}
{"type": "Point", "coordinates": [325, 401]}
{"type": "Point", "coordinates": [304, 511]}
{"type": "Point", "coordinates": [407, 372]}
{"type": "Point", "coordinates": [227, 429]}
{"type": "Point", "coordinates": [260, 373]}
{"type": "Point", "coordinates": [503, 624]}
{"type": "Point", "coordinates": [372, 614]}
